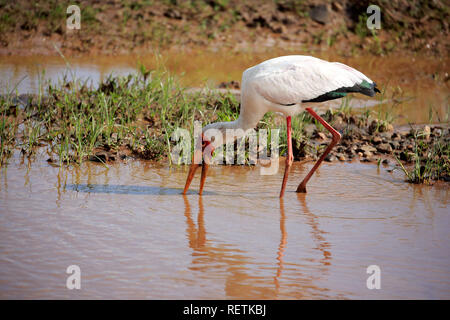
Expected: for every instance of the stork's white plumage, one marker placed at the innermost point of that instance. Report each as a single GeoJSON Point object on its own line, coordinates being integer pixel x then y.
{"type": "Point", "coordinates": [282, 85]}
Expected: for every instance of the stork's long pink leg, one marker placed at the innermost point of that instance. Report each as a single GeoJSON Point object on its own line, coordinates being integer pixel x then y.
{"type": "Point", "coordinates": [289, 156]}
{"type": "Point", "coordinates": [190, 176]}
{"type": "Point", "coordinates": [196, 159]}
{"type": "Point", "coordinates": [336, 137]}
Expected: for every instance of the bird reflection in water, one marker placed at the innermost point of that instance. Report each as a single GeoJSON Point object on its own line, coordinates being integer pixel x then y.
{"type": "Point", "coordinates": [317, 234]}
{"type": "Point", "coordinates": [197, 238]}
{"type": "Point", "coordinates": [281, 247]}
{"type": "Point", "coordinates": [217, 260]}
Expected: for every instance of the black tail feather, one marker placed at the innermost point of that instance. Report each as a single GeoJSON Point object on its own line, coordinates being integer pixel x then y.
{"type": "Point", "coordinates": [366, 88]}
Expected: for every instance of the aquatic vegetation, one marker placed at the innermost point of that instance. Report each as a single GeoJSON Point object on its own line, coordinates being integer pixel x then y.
{"type": "Point", "coordinates": [7, 133]}
{"type": "Point", "coordinates": [430, 159]}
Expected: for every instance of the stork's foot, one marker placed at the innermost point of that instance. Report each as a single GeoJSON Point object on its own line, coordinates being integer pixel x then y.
{"type": "Point", "coordinates": [301, 188]}
{"type": "Point", "coordinates": [336, 137]}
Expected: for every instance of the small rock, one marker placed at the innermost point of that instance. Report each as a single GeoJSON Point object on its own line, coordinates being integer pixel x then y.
{"type": "Point", "coordinates": [320, 14]}
{"type": "Point", "coordinates": [437, 132]}
{"type": "Point", "coordinates": [365, 138]}
{"type": "Point", "coordinates": [341, 157]}
{"type": "Point", "coordinates": [322, 136]}
{"type": "Point", "coordinates": [366, 148]}
{"type": "Point", "coordinates": [278, 28]}
{"type": "Point", "coordinates": [395, 145]}
{"type": "Point", "coordinates": [376, 140]}
{"type": "Point", "coordinates": [395, 136]}
{"type": "Point", "coordinates": [173, 14]}
{"type": "Point", "coordinates": [356, 132]}
{"type": "Point", "coordinates": [337, 6]}
{"type": "Point", "coordinates": [229, 85]}
{"type": "Point", "coordinates": [386, 135]}
{"type": "Point", "coordinates": [330, 158]}
{"type": "Point", "coordinates": [385, 161]}
{"type": "Point", "coordinates": [380, 126]}
{"type": "Point", "coordinates": [339, 123]}
{"type": "Point", "coordinates": [368, 154]}
{"type": "Point", "coordinates": [384, 148]}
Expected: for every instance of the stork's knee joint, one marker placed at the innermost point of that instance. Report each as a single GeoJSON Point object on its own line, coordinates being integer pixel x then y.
{"type": "Point", "coordinates": [336, 137]}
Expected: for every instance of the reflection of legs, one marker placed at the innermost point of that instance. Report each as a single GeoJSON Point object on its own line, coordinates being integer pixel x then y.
{"type": "Point", "coordinates": [336, 137]}
{"type": "Point", "coordinates": [191, 228]}
{"type": "Point", "coordinates": [196, 234]}
{"type": "Point", "coordinates": [281, 247]}
{"type": "Point", "coordinates": [289, 156]}
{"type": "Point", "coordinates": [201, 235]}
{"type": "Point", "coordinates": [322, 244]}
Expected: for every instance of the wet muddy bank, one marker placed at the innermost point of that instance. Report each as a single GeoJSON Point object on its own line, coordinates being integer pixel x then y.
{"type": "Point", "coordinates": [117, 27]}
{"type": "Point", "coordinates": [422, 152]}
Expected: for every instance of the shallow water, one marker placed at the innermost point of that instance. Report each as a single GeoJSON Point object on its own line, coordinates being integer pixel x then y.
{"type": "Point", "coordinates": [417, 81]}
{"type": "Point", "coordinates": [134, 235]}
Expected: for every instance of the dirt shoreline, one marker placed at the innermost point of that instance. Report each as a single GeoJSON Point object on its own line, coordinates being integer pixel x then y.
{"type": "Point", "coordinates": [117, 27]}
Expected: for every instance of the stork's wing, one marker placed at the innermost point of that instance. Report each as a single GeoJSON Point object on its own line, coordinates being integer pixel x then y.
{"type": "Point", "coordinates": [290, 82]}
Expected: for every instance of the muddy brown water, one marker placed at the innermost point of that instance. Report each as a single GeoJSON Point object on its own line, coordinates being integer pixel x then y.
{"type": "Point", "coordinates": [134, 235]}
{"type": "Point", "coordinates": [419, 82]}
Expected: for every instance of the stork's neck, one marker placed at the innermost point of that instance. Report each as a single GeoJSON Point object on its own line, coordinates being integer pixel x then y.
{"type": "Point", "coordinates": [223, 126]}
{"type": "Point", "coordinates": [237, 124]}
